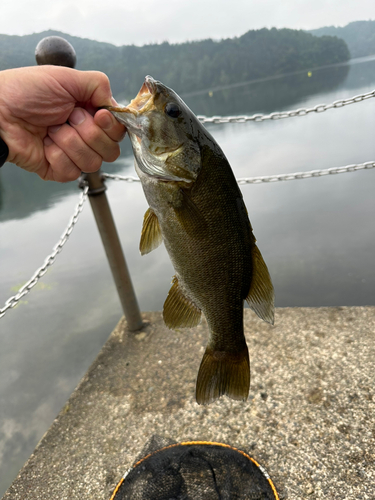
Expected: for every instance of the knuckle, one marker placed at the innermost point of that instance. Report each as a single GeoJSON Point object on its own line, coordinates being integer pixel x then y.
{"type": "Point", "coordinates": [55, 155]}
{"type": "Point", "coordinates": [104, 80]}
{"type": "Point", "coordinates": [67, 174]}
{"type": "Point", "coordinates": [73, 174]}
{"type": "Point", "coordinates": [68, 138]}
{"type": "Point", "coordinates": [96, 163]}
{"type": "Point", "coordinates": [101, 76]}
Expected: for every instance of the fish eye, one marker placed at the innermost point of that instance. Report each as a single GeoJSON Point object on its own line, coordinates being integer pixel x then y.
{"type": "Point", "coordinates": [172, 110]}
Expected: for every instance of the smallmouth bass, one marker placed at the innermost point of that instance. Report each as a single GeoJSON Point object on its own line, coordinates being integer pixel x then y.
{"type": "Point", "coordinates": [196, 208]}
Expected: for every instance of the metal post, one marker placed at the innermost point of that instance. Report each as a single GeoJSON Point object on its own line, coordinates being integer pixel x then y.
{"type": "Point", "coordinates": [58, 51]}
{"type": "Point", "coordinates": [112, 246]}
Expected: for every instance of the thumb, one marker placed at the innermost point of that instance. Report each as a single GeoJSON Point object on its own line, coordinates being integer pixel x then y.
{"type": "Point", "coordinates": [86, 86]}
{"type": "Point", "coordinates": [96, 88]}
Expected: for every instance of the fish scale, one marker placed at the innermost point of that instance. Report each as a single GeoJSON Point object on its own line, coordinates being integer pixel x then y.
{"type": "Point", "coordinates": [211, 269]}
{"type": "Point", "coordinates": [197, 210]}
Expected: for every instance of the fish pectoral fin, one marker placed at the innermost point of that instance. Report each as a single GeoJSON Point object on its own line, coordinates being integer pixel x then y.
{"type": "Point", "coordinates": [156, 169]}
{"type": "Point", "coordinates": [151, 236]}
{"type": "Point", "coordinates": [190, 217]}
{"type": "Point", "coordinates": [179, 311]}
{"type": "Point", "coordinates": [261, 294]}
{"type": "Point", "coordinates": [223, 373]}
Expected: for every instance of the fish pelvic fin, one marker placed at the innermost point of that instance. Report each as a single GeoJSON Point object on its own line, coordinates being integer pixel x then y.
{"type": "Point", "coordinates": [179, 311]}
{"type": "Point", "coordinates": [151, 236]}
{"type": "Point", "coordinates": [261, 295]}
{"type": "Point", "coordinates": [222, 373]}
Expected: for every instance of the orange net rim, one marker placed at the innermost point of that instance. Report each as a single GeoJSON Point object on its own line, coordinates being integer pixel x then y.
{"type": "Point", "coordinates": [205, 443]}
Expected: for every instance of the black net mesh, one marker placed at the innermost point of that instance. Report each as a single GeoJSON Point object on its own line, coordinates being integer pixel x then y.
{"type": "Point", "coordinates": [196, 471]}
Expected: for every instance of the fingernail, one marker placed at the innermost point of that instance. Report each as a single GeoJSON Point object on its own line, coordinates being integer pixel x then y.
{"type": "Point", "coordinates": [114, 102]}
{"type": "Point", "coordinates": [77, 117]}
{"type": "Point", "coordinates": [47, 141]}
{"type": "Point", "coordinates": [54, 129]}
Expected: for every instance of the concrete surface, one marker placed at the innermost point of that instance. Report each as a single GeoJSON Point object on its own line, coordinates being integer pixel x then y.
{"type": "Point", "coordinates": [309, 420]}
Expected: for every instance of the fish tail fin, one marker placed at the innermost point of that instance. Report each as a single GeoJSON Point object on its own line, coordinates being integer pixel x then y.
{"type": "Point", "coordinates": [221, 373]}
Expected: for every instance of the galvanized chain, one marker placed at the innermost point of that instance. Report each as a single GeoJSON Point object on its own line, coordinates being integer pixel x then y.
{"type": "Point", "coordinates": [273, 178]}
{"type": "Point", "coordinates": [12, 301]}
{"type": "Point", "coordinates": [305, 175]}
{"type": "Point", "coordinates": [319, 108]}
{"type": "Point", "coordinates": [126, 178]}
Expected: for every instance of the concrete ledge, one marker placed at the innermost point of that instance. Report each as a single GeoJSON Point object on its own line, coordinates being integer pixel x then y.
{"type": "Point", "coordinates": [310, 418]}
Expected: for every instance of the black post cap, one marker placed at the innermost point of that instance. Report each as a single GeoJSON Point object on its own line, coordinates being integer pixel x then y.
{"type": "Point", "coordinates": [56, 51]}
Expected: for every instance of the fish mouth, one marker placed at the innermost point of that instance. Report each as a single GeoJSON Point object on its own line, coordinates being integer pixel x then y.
{"type": "Point", "coordinates": [149, 86]}
{"type": "Point", "coordinates": [144, 101]}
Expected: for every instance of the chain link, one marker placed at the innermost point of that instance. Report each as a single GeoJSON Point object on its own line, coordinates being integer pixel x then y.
{"type": "Point", "coordinates": [273, 178]}
{"type": "Point", "coordinates": [127, 178]}
{"type": "Point", "coordinates": [319, 108]}
{"type": "Point", "coordinates": [12, 301]}
{"type": "Point", "coordinates": [305, 175]}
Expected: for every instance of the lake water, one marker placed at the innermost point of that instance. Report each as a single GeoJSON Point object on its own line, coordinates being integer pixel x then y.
{"type": "Point", "coordinates": [316, 235]}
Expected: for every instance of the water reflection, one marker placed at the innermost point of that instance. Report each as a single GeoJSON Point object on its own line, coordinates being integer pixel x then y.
{"type": "Point", "coordinates": [268, 95]}
{"type": "Point", "coordinates": [317, 237]}
{"type": "Point", "coordinates": [23, 193]}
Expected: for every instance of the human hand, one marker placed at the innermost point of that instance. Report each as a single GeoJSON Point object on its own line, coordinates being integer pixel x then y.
{"type": "Point", "coordinates": [50, 121]}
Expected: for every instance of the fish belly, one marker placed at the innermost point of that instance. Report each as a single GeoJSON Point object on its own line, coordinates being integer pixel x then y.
{"type": "Point", "coordinates": [211, 256]}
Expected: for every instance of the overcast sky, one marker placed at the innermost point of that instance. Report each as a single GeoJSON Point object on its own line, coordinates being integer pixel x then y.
{"type": "Point", "coordinates": [146, 21]}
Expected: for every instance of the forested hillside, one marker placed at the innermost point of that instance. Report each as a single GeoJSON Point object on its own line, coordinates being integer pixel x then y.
{"type": "Point", "coordinates": [359, 36]}
{"type": "Point", "coordinates": [190, 66]}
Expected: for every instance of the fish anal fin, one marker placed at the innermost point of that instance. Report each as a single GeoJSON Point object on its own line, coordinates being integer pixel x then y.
{"type": "Point", "coordinates": [179, 311]}
{"type": "Point", "coordinates": [151, 236]}
{"type": "Point", "coordinates": [223, 373]}
{"type": "Point", "coordinates": [261, 294]}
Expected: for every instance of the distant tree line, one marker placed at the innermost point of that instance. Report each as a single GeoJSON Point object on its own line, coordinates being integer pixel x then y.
{"type": "Point", "coordinates": [189, 66]}
{"type": "Point", "coordinates": [358, 35]}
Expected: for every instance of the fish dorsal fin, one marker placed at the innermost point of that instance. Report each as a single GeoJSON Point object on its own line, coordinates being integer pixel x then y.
{"type": "Point", "coordinates": [261, 294]}
{"type": "Point", "coordinates": [179, 311]}
{"type": "Point", "coordinates": [151, 236]}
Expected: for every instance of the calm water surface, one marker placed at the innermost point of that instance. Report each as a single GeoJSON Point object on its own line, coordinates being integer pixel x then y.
{"type": "Point", "coordinates": [316, 235]}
